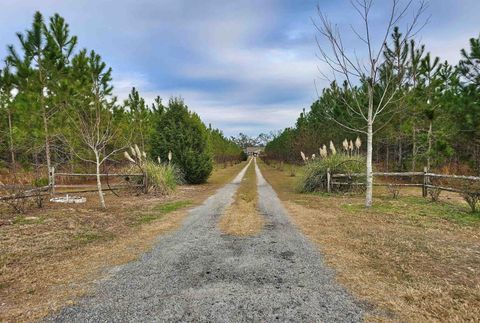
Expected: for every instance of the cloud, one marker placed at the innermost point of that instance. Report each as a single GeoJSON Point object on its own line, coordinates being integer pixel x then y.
{"type": "Point", "coordinates": [242, 65]}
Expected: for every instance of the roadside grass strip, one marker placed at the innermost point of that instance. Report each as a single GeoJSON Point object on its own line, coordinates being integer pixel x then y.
{"type": "Point", "coordinates": [413, 259]}
{"type": "Point", "coordinates": [242, 217]}
{"type": "Point", "coordinates": [162, 209]}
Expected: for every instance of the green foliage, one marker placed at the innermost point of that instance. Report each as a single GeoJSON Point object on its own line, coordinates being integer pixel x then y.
{"type": "Point", "coordinates": [314, 177]}
{"type": "Point", "coordinates": [181, 132]}
{"type": "Point", "coordinates": [243, 156]}
{"type": "Point", "coordinates": [40, 182]}
{"type": "Point", "coordinates": [223, 149]}
{"type": "Point", "coordinates": [438, 123]}
{"type": "Point", "coordinates": [65, 102]}
{"type": "Point", "coordinates": [139, 118]}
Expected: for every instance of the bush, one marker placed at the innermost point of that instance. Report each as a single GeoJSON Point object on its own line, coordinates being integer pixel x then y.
{"type": "Point", "coordinates": [162, 178]}
{"type": "Point", "coordinates": [243, 156]}
{"type": "Point", "coordinates": [182, 132]}
{"type": "Point", "coordinates": [314, 177]}
{"type": "Point", "coordinates": [434, 193]}
{"type": "Point", "coordinates": [472, 200]}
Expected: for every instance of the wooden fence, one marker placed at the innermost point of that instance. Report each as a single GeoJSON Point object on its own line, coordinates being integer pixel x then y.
{"type": "Point", "coordinates": [28, 191]}
{"type": "Point", "coordinates": [425, 181]}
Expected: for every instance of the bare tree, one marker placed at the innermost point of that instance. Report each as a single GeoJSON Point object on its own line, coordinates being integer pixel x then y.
{"type": "Point", "coordinates": [97, 133]}
{"type": "Point", "coordinates": [380, 83]}
{"type": "Point", "coordinates": [92, 117]}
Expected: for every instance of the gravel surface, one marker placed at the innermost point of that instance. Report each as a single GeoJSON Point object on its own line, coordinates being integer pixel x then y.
{"type": "Point", "coordinates": [199, 274]}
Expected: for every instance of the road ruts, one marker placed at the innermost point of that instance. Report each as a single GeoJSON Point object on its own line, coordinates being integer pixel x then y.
{"type": "Point", "coordinates": [198, 274]}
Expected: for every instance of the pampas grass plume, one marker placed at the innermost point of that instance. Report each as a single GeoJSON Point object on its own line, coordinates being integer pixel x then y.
{"type": "Point", "coordinates": [127, 156]}
{"type": "Point", "coordinates": [332, 148]}
{"type": "Point", "coordinates": [303, 156]}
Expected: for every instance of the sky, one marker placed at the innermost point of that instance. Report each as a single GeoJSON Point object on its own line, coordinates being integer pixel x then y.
{"type": "Point", "coordinates": [244, 66]}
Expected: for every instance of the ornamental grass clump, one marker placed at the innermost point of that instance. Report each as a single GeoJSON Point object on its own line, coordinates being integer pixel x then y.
{"type": "Point", "coordinates": [162, 178]}
{"type": "Point", "coordinates": [314, 177]}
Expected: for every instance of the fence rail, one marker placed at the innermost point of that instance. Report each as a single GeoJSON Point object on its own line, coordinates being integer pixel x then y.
{"type": "Point", "coordinates": [94, 175]}
{"type": "Point", "coordinates": [425, 176]}
{"type": "Point", "coordinates": [30, 191]}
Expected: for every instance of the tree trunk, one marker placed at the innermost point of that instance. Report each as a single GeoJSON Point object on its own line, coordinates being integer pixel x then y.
{"type": "Point", "coordinates": [10, 132]}
{"type": "Point", "coordinates": [414, 149]}
{"type": "Point", "coordinates": [400, 154]}
{"type": "Point", "coordinates": [368, 198]}
{"type": "Point", "coordinates": [44, 113]}
{"type": "Point", "coordinates": [387, 166]}
{"type": "Point", "coordinates": [369, 193]}
{"type": "Point", "coordinates": [99, 182]}
{"type": "Point", "coordinates": [429, 152]}
{"type": "Point", "coordinates": [47, 139]}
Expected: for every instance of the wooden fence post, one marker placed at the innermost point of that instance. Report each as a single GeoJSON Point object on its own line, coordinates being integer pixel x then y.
{"type": "Point", "coordinates": [328, 180]}
{"type": "Point", "coordinates": [425, 182]}
{"type": "Point", "coordinates": [145, 183]}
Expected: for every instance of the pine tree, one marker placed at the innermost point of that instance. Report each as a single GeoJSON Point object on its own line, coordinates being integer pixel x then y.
{"type": "Point", "coordinates": [182, 132]}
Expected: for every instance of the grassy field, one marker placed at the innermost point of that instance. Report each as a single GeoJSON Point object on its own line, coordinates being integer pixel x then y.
{"type": "Point", "coordinates": [412, 259]}
{"type": "Point", "coordinates": [50, 256]}
{"type": "Point", "coordinates": [242, 218]}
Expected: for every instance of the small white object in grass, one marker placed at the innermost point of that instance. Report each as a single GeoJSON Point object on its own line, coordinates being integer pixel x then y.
{"type": "Point", "coordinates": [69, 199]}
{"type": "Point", "coordinates": [170, 155]}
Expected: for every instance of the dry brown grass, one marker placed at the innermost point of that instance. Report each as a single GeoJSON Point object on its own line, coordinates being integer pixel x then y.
{"type": "Point", "coordinates": [414, 260]}
{"type": "Point", "coordinates": [51, 256]}
{"type": "Point", "coordinates": [242, 217]}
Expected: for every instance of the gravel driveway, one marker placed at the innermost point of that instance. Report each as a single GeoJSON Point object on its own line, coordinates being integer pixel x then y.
{"type": "Point", "coordinates": [198, 274]}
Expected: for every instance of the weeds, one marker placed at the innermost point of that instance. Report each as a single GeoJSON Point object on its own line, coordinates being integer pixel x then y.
{"type": "Point", "coordinates": [472, 200]}
{"type": "Point", "coordinates": [434, 193]}
{"type": "Point", "coordinates": [292, 172]}
{"type": "Point", "coordinates": [315, 175]}
{"type": "Point", "coordinates": [160, 210]}
{"type": "Point", "coordinates": [92, 236]}
{"type": "Point", "coordinates": [21, 220]}
{"type": "Point", "coordinates": [394, 190]}
{"type": "Point", "coordinates": [172, 206]}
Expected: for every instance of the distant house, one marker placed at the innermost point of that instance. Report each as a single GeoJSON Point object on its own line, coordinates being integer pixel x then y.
{"type": "Point", "coordinates": [254, 151]}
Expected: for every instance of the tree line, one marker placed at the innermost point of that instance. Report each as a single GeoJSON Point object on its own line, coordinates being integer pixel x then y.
{"type": "Point", "coordinates": [58, 109]}
{"type": "Point", "coordinates": [433, 119]}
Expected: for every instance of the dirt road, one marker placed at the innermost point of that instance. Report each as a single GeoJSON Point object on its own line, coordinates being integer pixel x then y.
{"type": "Point", "coordinates": [199, 274]}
